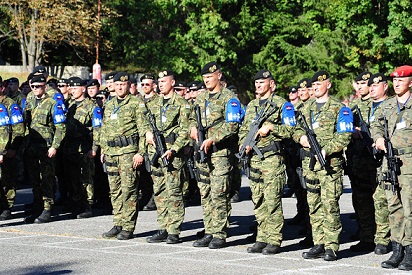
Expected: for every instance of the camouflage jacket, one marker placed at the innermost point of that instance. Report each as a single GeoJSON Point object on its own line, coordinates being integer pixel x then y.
{"type": "Point", "coordinates": [18, 97]}
{"type": "Point", "coordinates": [124, 120]}
{"type": "Point", "coordinates": [45, 121]}
{"type": "Point", "coordinates": [172, 119]}
{"type": "Point", "coordinates": [79, 127]}
{"type": "Point", "coordinates": [11, 125]}
{"type": "Point", "coordinates": [280, 131]}
{"type": "Point", "coordinates": [326, 119]}
{"type": "Point", "coordinates": [213, 112]}
{"type": "Point", "coordinates": [400, 127]}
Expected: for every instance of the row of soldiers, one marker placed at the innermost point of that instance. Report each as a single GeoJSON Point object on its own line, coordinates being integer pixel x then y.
{"type": "Point", "coordinates": [161, 132]}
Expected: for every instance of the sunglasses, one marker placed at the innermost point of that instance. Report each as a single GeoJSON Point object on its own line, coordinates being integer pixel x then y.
{"type": "Point", "coordinates": [61, 85]}
{"type": "Point", "coordinates": [146, 84]}
{"type": "Point", "coordinates": [36, 86]}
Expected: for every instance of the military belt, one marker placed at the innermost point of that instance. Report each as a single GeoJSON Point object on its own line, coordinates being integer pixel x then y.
{"type": "Point", "coordinates": [157, 174]}
{"type": "Point", "coordinates": [207, 181]}
{"type": "Point", "coordinates": [203, 173]}
{"type": "Point", "coordinates": [123, 141]}
{"type": "Point", "coordinates": [220, 146]}
{"type": "Point", "coordinates": [256, 179]}
{"type": "Point", "coordinates": [256, 171]}
{"type": "Point", "coordinates": [113, 173]}
{"type": "Point", "coordinates": [170, 138]}
{"type": "Point", "coordinates": [313, 182]}
{"type": "Point", "coordinates": [274, 146]}
{"type": "Point", "coordinates": [313, 190]}
{"type": "Point", "coordinates": [403, 151]}
{"type": "Point", "coordinates": [108, 163]}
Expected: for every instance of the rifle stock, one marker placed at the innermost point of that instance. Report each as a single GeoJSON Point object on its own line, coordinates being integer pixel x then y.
{"type": "Point", "coordinates": [159, 140]}
{"type": "Point", "coordinates": [201, 133]}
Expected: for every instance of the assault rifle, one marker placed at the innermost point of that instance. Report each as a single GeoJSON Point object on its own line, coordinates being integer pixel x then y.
{"type": "Point", "coordinates": [252, 138]}
{"type": "Point", "coordinates": [315, 149]}
{"type": "Point", "coordinates": [365, 130]}
{"type": "Point", "coordinates": [393, 161]}
{"type": "Point", "coordinates": [201, 134]}
{"type": "Point", "coordinates": [159, 140]}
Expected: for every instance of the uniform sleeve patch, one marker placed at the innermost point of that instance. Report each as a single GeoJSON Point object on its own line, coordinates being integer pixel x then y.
{"type": "Point", "coordinates": [345, 121]}
{"type": "Point", "coordinates": [288, 114]}
{"type": "Point", "coordinates": [233, 111]}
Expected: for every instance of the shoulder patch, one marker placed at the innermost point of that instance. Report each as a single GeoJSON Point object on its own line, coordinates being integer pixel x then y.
{"type": "Point", "coordinates": [233, 111]}
{"type": "Point", "coordinates": [97, 117]}
{"type": "Point", "coordinates": [58, 116]}
{"type": "Point", "coordinates": [288, 114]}
{"type": "Point", "coordinates": [4, 116]}
{"type": "Point", "coordinates": [345, 121]}
{"type": "Point", "coordinates": [16, 115]}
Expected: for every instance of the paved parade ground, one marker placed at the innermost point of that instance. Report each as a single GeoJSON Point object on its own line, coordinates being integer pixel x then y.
{"type": "Point", "coordinates": [70, 246]}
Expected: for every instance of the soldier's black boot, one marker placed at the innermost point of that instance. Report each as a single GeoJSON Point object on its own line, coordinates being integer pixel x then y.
{"type": "Point", "coordinates": [173, 239]}
{"type": "Point", "coordinates": [330, 255]}
{"type": "Point", "coordinates": [257, 247]}
{"type": "Point", "coordinates": [396, 258]}
{"type": "Point", "coordinates": [159, 237]}
{"type": "Point", "coordinates": [217, 243]}
{"type": "Point", "coordinates": [86, 213]}
{"type": "Point", "coordinates": [271, 249]}
{"type": "Point", "coordinates": [44, 217]}
{"type": "Point", "coordinates": [151, 205]}
{"type": "Point", "coordinates": [35, 212]}
{"type": "Point", "coordinates": [124, 235]}
{"type": "Point", "coordinates": [112, 232]}
{"type": "Point", "coordinates": [203, 242]}
{"type": "Point", "coordinates": [406, 263]}
{"type": "Point", "coordinates": [316, 251]}
{"type": "Point", "coordinates": [381, 249]}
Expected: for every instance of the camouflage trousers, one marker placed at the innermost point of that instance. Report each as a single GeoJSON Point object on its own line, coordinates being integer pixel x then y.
{"type": "Point", "coordinates": [41, 173]}
{"type": "Point", "coordinates": [400, 205]}
{"type": "Point", "coordinates": [168, 195]}
{"type": "Point", "coordinates": [123, 184]}
{"type": "Point", "coordinates": [214, 186]}
{"type": "Point", "coordinates": [382, 234]}
{"type": "Point", "coordinates": [8, 181]}
{"type": "Point", "coordinates": [324, 189]}
{"type": "Point", "coordinates": [79, 171]}
{"type": "Point", "coordinates": [267, 181]}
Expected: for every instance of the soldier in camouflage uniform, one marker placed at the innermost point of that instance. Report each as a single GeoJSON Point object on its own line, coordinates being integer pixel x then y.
{"type": "Point", "coordinates": [83, 116]}
{"type": "Point", "coordinates": [11, 137]}
{"type": "Point", "coordinates": [267, 175]}
{"type": "Point", "coordinates": [171, 114]}
{"type": "Point", "coordinates": [122, 130]}
{"type": "Point", "coordinates": [333, 124]}
{"type": "Point", "coordinates": [370, 198]}
{"type": "Point", "coordinates": [220, 114]}
{"type": "Point", "coordinates": [45, 121]}
{"type": "Point", "coordinates": [397, 111]}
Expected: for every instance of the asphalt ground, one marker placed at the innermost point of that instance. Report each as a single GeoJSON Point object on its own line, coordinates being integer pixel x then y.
{"type": "Point", "coordinates": [72, 246]}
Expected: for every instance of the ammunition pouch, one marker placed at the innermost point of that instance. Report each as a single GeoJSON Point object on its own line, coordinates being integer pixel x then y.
{"type": "Point", "coordinates": [123, 141]}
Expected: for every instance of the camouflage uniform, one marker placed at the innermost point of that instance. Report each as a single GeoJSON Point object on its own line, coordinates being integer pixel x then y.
{"type": "Point", "coordinates": [400, 211]}
{"type": "Point", "coordinates": [324, 187]}
{"type": "Point", "coordinates": [267, 176]}
{"type": "Point", "coordinates": [172, 119]}
{"type": "Point", "coordinates": [46, 128]}
{"type": "Point", "coordinates": [11, 133]}
{"type": "Point", "coordinates": [123, 120]}
{"type": "Point", "coordinates": [214, 184]}
{"type": "Point", "coordinates": [369, 197]}
{"type": "Point", "coordinates": [79, 168]}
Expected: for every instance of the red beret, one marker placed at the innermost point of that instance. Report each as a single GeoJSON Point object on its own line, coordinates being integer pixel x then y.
{"type": "Point", "coordinates": [402, 71]}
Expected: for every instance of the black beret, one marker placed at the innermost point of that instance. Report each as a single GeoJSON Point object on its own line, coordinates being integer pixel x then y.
{"type": "Point", "coordinates": [122, 77]}
{"type": "Point", "coordinates": [39, 69]}
{"type": "Point", "coordinates": [201, 85]}
{"type": "Point", "coordinates": [30, 76]}
{"type": "Point", "coordinates": [320, 76]}
{"type": "Point", "coordinates": [232, 88]}
{"type": "Point", "coordinates": [133, 80]}
{"type": "Point", "coordinates": [210, 67]}
{"type": "Point", "coordinates": [110, 76]}
{"type": "Point", "coordinates": [293, 89]}
{"type": "Point", "coordinates": [180, 84]}
{"type": "Point", "coordinates": [147, 76]}
{"type": "Point", "coordinates": [263, 74]}
{"type": "Point", "coordinates": [376, 78]}
{"type": "Point", "coordinates": [193, 85]}
{"type": "Point", "coordinates": [76, 81]}
{"type": "Point", "coordinates": [52, 80]}
{"type": "Point", "coordinates": [304, 83]}
{"type": "Point", "coordinates": [363, 76]}
{"type": "Point", "coordinates": [93, 82]}
{"type": "Point", "coordinates": [12, 80]}
{"type": "Point", "coordinates": [38, 78]}
{"type": "Point", "coordinates": [63, 81]}
{"type": "Point", "coordinates": [166, 73]}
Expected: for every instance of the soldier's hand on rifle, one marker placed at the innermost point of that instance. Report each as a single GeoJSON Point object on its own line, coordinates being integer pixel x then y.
{"type": "Point", "coordinates": [150, 138]}
{"type": "Point", "coordinates": [206, 145]}
{"type": "Point", "coordinates": [91, 154]}
{"type": "Point", "coordinates": [51, 152]}
{"type": "Point", "coordinates": [193, 134]}
{"type": "Point", "coordinates": [168, 154]}
{"type": "Point", "coordinates": [264, 130]}
{"type": "Point", "coordinates": [380, 144]}
{"type": "Point", "coordinates": [137, 160]}
{"type": "Point", "coordinates": [304, 141]}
